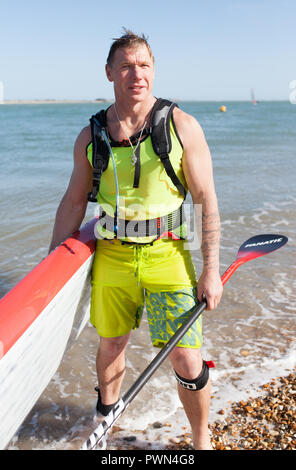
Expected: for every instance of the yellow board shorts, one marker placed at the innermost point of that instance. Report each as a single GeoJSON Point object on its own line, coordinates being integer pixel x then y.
{"type": "Point", "coordinates": [161, 277]}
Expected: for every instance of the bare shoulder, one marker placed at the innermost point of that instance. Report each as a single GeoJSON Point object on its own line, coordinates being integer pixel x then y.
{"type": "Point", "coordinates": [80, 181]}
{"type": "Point", "coordinates": [188, 127]}
{"type": "Point", "coordinates": [83, 139]}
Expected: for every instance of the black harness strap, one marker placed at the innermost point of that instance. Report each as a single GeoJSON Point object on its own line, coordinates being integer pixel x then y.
{"type": "Point", "coordinates": [161, 139]}
{"type": "Point", "coordinates": [100, 152]}
{"type": "Point", "coordinates": [137, 168]}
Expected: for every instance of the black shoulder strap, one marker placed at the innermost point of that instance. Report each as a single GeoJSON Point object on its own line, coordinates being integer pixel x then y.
{"type": "Point", "coordinates": [161, 138]}
{"type": "Point", "coordinates": [100, 152]}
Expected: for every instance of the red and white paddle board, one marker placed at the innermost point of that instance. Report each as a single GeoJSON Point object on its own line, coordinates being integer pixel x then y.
{"type": "Point", "coordinates": [39, 319]}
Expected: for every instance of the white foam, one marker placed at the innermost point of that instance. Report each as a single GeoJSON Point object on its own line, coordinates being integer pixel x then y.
{"type": "Point", "coordinates": [158, 401]}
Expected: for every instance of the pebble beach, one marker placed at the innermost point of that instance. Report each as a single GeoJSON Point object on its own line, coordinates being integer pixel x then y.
{"type": "Point", "coordinates": [264, 422]}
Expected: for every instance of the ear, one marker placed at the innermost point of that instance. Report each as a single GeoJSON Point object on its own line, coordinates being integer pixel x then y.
{"type": "Point", "coordinates": [108, 73]}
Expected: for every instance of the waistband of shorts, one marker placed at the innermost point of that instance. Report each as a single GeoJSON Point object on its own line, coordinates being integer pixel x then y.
{"type": "Point", "coordinates": [160, 241]}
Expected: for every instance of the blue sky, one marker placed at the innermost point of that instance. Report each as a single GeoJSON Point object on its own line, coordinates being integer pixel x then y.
{"type": "Point", "coordinates": [214, 50]}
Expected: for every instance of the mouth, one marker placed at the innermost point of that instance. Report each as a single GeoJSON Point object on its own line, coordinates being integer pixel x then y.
{"type": "Point", "coordinates": [136, 87]}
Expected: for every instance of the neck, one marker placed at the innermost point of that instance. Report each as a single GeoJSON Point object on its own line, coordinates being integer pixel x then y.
{"type": "Point", "coordinates": [133, 115]}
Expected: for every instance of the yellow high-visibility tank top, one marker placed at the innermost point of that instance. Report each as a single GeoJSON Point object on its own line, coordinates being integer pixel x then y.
{"type": "Point", "coordinates": [156, 196]}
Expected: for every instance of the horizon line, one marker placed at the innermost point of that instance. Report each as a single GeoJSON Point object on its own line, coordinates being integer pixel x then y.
{"type": "Point", "coordinates": [109, 100]}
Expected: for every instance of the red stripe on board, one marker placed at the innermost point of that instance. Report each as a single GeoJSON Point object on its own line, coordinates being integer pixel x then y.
{"type": "Point", "coordinates": [22, 304]}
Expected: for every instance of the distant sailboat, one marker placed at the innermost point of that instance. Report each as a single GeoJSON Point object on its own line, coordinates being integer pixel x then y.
{"type": "Point", "coordinates": [253, 96]}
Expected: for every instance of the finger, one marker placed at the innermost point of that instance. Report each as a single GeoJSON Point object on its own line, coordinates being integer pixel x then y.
{"type": "Point", "coordinates": [211, 303]}
{"type": "Point", "coordinates": [200, 294]}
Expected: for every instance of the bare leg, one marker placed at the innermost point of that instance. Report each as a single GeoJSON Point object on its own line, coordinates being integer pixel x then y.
{"type": "Point", "coordinates": [111, 367]}
{"type": "Point", "coordinates": [188, 363]}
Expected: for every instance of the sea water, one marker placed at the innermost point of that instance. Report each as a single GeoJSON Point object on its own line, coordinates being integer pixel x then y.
{"type": "Point", "coordinates": [250, 336]}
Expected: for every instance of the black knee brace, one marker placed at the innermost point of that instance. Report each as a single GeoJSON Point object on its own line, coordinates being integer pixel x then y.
{"type": "Point", "coordinates": [199, 382]}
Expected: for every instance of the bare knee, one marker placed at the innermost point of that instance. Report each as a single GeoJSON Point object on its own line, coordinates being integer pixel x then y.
{"type": "Point", "coordinates": [113, 347]}
{"type": "Point", "coordinates": [186, 362]}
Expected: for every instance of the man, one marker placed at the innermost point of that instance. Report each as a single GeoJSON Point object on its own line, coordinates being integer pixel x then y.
{"type": "Point", "coordinates": [157, 269]}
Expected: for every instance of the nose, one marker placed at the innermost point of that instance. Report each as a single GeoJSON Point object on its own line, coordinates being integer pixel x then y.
{"type": "Point", "coordinates": [136, 72]}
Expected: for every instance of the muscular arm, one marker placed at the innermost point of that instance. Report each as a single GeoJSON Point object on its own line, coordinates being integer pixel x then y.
{"type": "Point", "coordinates": [71, 210]}
{"type": "Point", "coordinates": [197, 167]}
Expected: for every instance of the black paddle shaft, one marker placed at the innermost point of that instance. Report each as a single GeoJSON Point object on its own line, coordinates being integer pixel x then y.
{"type": "Point", "coordinates": [251, 249]}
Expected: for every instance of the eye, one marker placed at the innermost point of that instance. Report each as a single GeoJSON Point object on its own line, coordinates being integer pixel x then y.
{"type": "Point", "coordinates": [125, 66]}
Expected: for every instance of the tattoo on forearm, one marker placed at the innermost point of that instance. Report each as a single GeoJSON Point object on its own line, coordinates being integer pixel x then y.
{"type": "Point", "coordinates": [210, 239]}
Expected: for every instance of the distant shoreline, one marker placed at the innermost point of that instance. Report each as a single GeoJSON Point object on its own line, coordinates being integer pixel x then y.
{"type": "Point", "coordinates": [102, 100]}
{"type": "Point", "coordinates": [53, 101]}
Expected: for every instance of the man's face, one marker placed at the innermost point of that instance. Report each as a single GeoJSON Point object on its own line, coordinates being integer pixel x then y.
{"type": "Point", "coordinates": [132, 72]}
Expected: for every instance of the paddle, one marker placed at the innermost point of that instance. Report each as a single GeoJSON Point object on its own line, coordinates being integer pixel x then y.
{"type": "Point", "coordinates": [252, 248]}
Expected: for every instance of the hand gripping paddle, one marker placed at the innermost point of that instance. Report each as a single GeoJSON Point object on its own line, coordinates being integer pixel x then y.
{"type": "Point", "coordinates": [252, 248]}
